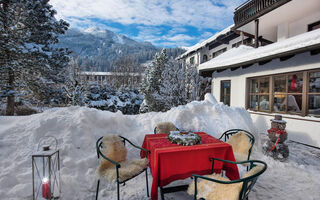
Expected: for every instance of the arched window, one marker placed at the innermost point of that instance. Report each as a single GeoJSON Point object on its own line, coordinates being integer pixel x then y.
{"type": "Point", "coordinates": [205, 58]}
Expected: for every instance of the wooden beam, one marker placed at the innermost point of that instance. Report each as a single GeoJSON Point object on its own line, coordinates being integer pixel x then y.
{"type": "Point", "coordinates": [221, 70]}
{"type": "Point", "coordinates": [284, 58]}
{"type": "Point", "coordinates": [264, 62]}
{"type": "Point", "coordinates": [264, 40]}
{"type": "Point", "coordinates": [305, 89]}
{"type": "Point", "coordinates": [234, 68]}
{"type": "Point", "coordinates": [245, 34]}
{"type": "Point", "coordinates": [242, 36]}
{"type": "Point", "coordinates": [246, 66]}
{"type": "Point", "coordinates": [206, 73]}
{"type": "Point", "coordinates": [256, 33]}
{"type": "Point", "coordinates": [315, 52]}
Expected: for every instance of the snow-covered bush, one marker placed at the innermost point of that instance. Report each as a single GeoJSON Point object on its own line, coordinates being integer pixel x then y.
{"type": "Point", "coordinates": [126, 100]}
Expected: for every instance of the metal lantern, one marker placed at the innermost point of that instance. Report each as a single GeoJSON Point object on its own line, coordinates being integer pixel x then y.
{"type": "Point", "coordinates": [46, 170]}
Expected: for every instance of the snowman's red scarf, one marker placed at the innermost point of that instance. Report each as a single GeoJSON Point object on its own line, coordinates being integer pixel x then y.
{"type": "Point", "coordinates": [277, 131]}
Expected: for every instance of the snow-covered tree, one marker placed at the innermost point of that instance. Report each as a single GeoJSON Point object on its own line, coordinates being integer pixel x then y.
{"type": "Point", "coordinates": [73, 86]}
{"type": "Point", "coordinates": [196, 85]}
{"type": "Point", "coordinates": [152, 81]}
{"type": "Point", "coordinates": [28, 57]}
{"type": "Point", "coordinates": [173, 87]}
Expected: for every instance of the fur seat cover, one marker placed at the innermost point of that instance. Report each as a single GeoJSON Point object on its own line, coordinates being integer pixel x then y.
{"type": "Point", "coordinates": [240, 145]}
{"type": "Point", "coordinates": [114, 148]}
{"type": "Point", "coordinates": [165, 127]}
{"type": "Point", "coordinates": [215, 191]}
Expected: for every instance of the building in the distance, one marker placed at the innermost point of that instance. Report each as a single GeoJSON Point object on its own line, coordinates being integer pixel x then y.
{"type": "Point", "coordinates": [269, 63]}
{"type": "Point", "coordinates": [113, 79]}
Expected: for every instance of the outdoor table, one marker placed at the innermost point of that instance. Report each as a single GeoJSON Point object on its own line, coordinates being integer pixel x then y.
{"type": "Point", "coordinates": [169, 162]}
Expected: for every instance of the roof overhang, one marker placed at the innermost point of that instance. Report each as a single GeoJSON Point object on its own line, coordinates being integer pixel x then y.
{"type": "Point", "coordinates": [314, 49]}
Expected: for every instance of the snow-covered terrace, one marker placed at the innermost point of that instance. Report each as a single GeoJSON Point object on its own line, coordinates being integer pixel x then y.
{"type": "Point", "coordinates": [78, 128]}
{"type": "Point", "coordinates": [245, 55]}
{"type": "Point", "coordinates": [203, 43]}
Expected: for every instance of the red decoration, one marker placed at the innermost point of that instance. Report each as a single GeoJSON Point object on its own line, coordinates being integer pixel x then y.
{"type": "Point", "coordinates": [45, 188]}
{"type": "Point", "coordinates": [293, 83]}
{"type": "Point", "coordinates": [277, 131]}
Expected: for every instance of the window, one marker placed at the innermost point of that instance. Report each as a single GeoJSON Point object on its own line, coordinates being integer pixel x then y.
{"type": "Point", "coordinates": [314, 26]}
{"type": "Point", "coordinates": [205, 58]}
{"type": "Point", "coordinates": [192, 60]}
{"type": "Point", "coordinates": [215, 54]}
{"type": "Point", "coordinates": [259, 94]}
{"type": "Point", "coordinates": [247, 42]}
{"type": "Point", "coordinates": [293, 93]}
{"type": "Point", "coordinates": [314, 93]}
{"type": "Point", "coordinates": [225, 92]}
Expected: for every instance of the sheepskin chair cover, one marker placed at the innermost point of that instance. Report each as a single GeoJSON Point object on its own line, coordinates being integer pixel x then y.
{"type": "Point", "coordinates": [216, 191]}
{"type": "Point", "coordinates": [240, 145]}
{"type": "Point", "coordinates": [114, 148]}
{"type": "Point", "coordinates": [165, 127]}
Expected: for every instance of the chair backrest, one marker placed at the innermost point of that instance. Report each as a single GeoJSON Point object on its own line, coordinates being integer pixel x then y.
{"type": "Point", "coordinates": [109, 148]}
{"type": "Point", "coordinates": [230, 189]}
{"type": "Point", "coordinates": [250, 179]}
{"type": "Point", "coordinates": [226, 135]}
{"type": "Point", "coordinates": [165, 127]}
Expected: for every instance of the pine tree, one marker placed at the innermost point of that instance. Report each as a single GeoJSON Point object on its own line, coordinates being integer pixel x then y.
{"type": "Point", "coordinates": [152, 80]}
{"type": "Point", "coordinates": [173, 85]}
{"type": "Point", "coordinates": [28, 32]}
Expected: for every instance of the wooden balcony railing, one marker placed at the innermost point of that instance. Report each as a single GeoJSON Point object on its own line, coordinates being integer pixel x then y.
{"type": "Point", "coordinates": [253, 9]}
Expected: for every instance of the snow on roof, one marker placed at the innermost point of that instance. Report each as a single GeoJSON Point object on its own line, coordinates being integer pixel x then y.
{"type": "Point", "coordinates": [203, 43]}
{"type": "Point", "coordinates": [243, 54]}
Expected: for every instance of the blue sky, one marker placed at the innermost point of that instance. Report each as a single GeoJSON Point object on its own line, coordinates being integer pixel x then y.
{"type": "Point", "coordinates": [164, 23]}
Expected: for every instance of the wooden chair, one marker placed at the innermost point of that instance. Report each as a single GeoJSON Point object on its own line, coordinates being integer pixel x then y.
{"type": "Point", "coordinates": [227, 135]}
{"type": "Point", "coordinates": [117, 165]}
{"type": "Point", "coordinates": [241, 187]}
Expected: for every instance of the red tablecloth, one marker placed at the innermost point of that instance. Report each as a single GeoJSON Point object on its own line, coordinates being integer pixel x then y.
{"type": "Point", "coordinates": [170, 162]}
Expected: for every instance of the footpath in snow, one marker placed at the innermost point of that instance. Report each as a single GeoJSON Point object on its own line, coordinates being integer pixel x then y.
{"type": "Point", "coordinates": [78, 128]}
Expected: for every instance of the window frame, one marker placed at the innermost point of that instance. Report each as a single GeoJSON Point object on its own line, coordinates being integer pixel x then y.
{"type": "Point", "coordinates": [192, 60]}
{"type": "Point", "coordinates": [219, 52]}
{"type": "Point", "coordinates": [222, 91]}
{"type": "Point", "coordinates": [305, 93]}
{"type": "Point", "coordinates": [204, 58]}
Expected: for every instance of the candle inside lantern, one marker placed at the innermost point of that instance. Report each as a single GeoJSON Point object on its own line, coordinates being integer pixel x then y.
{"type": "Point", "coordinates": [45, 188]}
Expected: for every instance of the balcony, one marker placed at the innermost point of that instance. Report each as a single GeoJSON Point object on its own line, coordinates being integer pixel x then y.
{"type": "Point", "coordinates": [253, 9]}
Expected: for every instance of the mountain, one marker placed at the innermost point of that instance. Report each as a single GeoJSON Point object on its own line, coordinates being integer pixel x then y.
{"type": "Point", "coordinates": [97, 49]}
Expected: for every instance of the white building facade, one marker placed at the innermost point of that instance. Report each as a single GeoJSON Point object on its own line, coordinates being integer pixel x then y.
{"type": "Point", "coordinates": [275, 71]}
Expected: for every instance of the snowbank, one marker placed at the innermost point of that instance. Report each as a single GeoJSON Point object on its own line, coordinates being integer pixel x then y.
{"type": "Point", "coordinates": [78, 128]}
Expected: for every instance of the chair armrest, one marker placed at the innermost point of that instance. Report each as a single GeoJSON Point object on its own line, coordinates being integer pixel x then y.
{"type": "Point", "coordinates": [143, 149]}
{"type": "Point", "coordinates": [110, 160]}
{"type": "Point", "coordinates": [214, 180]}
{"type": "Point", "coordinates": [229, 161]}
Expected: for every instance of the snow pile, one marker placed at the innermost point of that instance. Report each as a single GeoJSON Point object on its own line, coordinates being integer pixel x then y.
{"type": "Point", "coordinates": [243, 54]}
{"type": "Point", "coordinates": [78, 128]}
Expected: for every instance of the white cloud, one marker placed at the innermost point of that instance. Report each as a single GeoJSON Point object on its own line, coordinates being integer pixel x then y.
{"type": "Point", "coordinates": [201, 14]}
{"type": "Point", "coordinates": [83, 24]}
{"type": "Point", "coordinates": [180, 37]}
